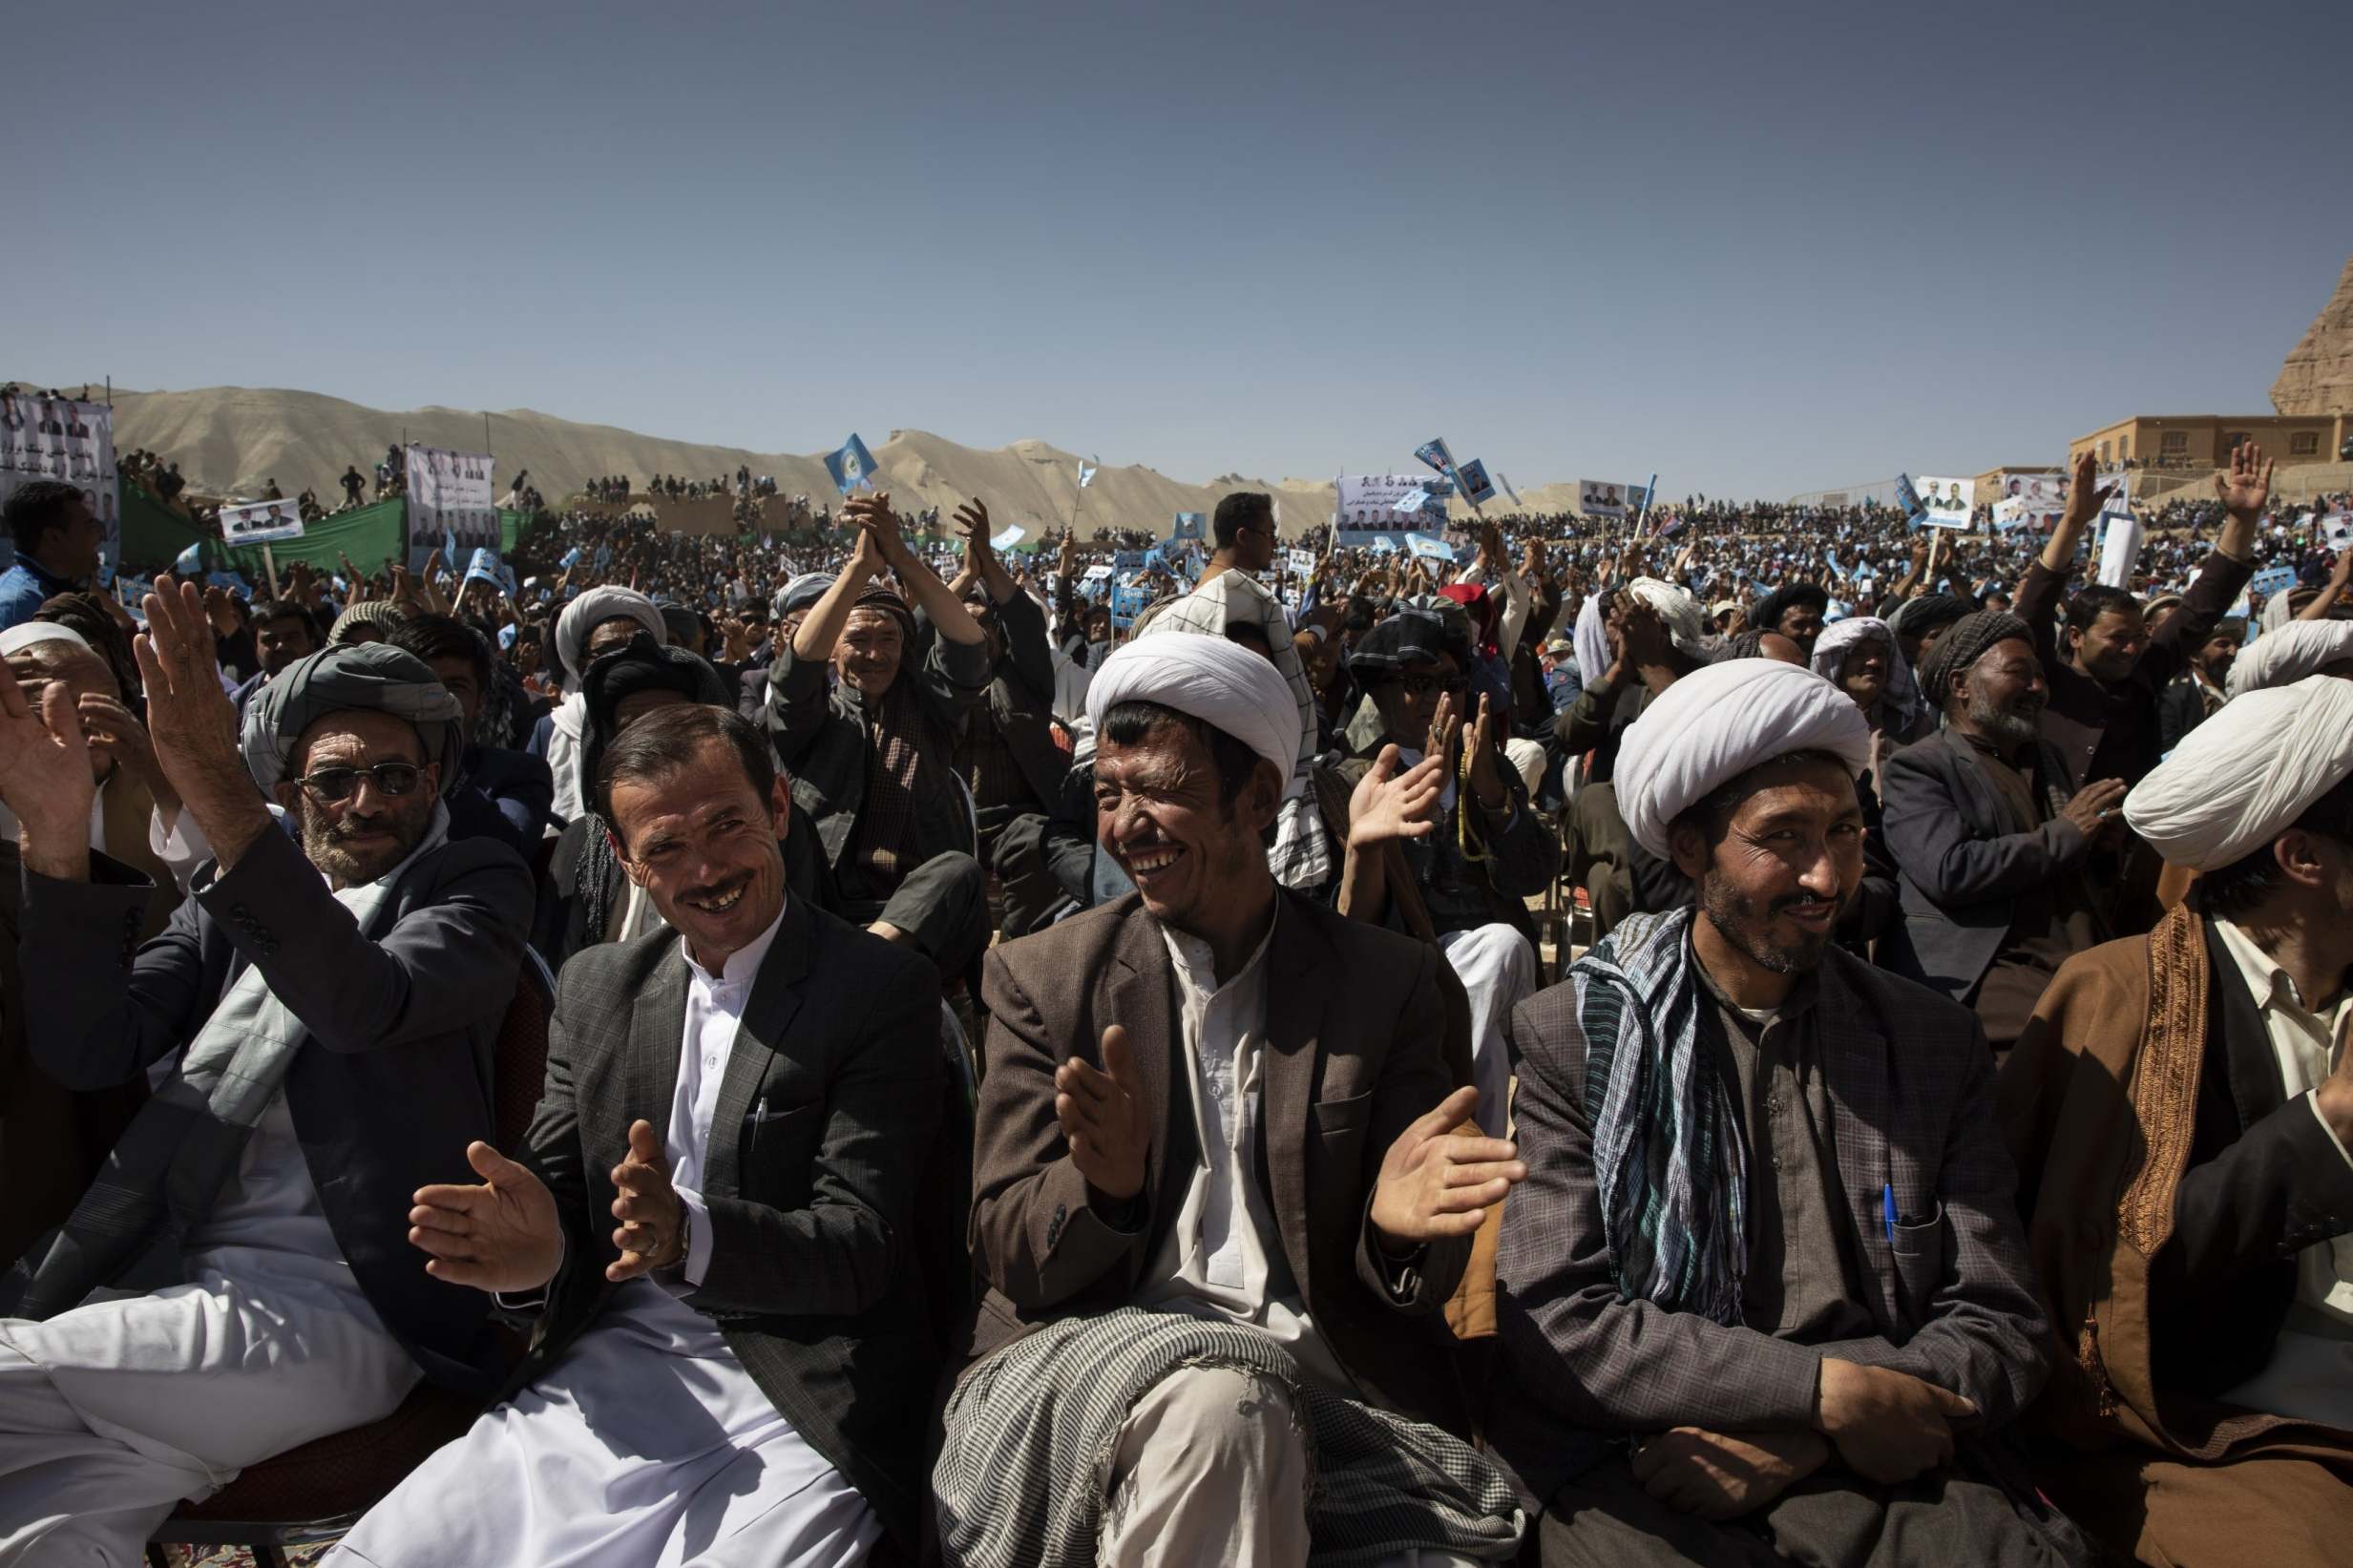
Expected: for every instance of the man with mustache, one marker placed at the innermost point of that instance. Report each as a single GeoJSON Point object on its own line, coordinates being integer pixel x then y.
{"type": "Point", "coordinates": [1988, 835]}
{"type": "Point", "coordinates": [715, 1209]}
{"type": "Point", "coordinates": [1763, 1296]}
{"type": "Point", "coordinates": [319, 1016]}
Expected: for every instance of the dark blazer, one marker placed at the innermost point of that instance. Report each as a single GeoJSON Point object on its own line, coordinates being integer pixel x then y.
{"type": "Point", "coordinates": [1359, 1042]}
{"type": "Point", "coordinates": [395, 1078]}
{"type": "Point", "coordinates": [831, 1098]}
{"type": "Point", "coordinates": [1960, 870]}
{"type": "Point", "coordinates": [1911, 1082]}
{"type": "Point", "coordinates": [2105, 733]}
{"type": "Point", "coordinates": [820, 735]}
{"type": "Point", "coordinates": [1021, 696]}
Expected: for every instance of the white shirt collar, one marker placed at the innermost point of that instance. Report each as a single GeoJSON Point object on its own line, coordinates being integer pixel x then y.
{"type": "Point", "coordinates": [746, 961]}
{"type": "Point", "coordinates": [1197, 965]}
{"type": "Point", "coordinates": [2271, 985]}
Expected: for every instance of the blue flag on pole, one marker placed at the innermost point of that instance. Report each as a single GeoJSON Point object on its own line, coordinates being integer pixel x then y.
{"type": "Point", "coordinates": [484, 565]}
{"type": "Point", "coordinates": [1189, 525]}
{"type": "Point", "coordinates": [191, 561]}
{"type": "Point", "coordinates": [1087, 471]}
{"type": "Point", "coordinates": [1434, 453]}
{"type": "Point", "coordinates": [852, 468]}
{"type": "Point", "coordinates": [571, 558]}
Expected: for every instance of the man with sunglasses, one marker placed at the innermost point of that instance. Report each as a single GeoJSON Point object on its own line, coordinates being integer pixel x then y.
{"type": "Point", "coordinates": [323, 1011]}
{"type": "Point", "coordinates": [1242, 531]}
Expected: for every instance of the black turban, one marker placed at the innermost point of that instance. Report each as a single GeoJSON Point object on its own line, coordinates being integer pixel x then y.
{"type": "Point", "coordinates": [1917, 618]}
{"type": "Point", "coordinates": [1410, 636]}
{"type": "Point", "coordinates": [1769, 610]}
{"type": "Point", "coordinates": [1963, 647]}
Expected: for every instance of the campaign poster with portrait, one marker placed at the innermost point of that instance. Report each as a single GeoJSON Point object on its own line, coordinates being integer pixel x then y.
{"type": "Point", "coordinates": [1945, 503]}
{"type": "Point", "coordinates": [68, 440]}
{"type": "Point", "coordinates": [2030, 500]}
{"type": "Point", "coordinates": [261, 522]}
{"type": "Point", "coordinates": [1388, 503]}
{"type": "Point", "coordinates": [448, 494]}
{"type": "Point", "coordinates": [1603, 498]}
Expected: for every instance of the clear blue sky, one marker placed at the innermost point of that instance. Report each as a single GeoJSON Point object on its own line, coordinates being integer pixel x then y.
{"type": "Point", "coordinates": [1761, 249]}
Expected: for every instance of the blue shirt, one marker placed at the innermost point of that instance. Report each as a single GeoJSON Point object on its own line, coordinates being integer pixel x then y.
{"type": "Point", "coordinates": [25, 588]}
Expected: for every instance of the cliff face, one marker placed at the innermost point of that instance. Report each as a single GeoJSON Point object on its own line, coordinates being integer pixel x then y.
{"type": "Point", "coordinates": [2318, 377]}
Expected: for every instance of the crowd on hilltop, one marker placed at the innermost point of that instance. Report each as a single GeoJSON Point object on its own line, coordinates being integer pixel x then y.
{"type": "Point", "coordinates": [1747, 1032]}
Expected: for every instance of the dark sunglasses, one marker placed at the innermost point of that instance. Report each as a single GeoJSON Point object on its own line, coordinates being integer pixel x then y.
{"type": "Point", "coordinates": [337, 784]}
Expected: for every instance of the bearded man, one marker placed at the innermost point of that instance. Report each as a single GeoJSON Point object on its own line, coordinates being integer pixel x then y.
{"type": "Point", "coordinates": [2181, 1107]}
{"type": "Point", "coordinates": [1988, 837]}
{"type": "Point", "coordinates": [1763, 1296]}
{"type": "Point", "coordinates": [324, 1007]}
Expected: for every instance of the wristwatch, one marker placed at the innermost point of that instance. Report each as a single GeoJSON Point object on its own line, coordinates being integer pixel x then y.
{"type": "Point", "coordinates": [685, 1235]}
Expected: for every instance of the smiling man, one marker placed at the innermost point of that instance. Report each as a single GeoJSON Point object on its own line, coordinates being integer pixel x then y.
{"type": "Point", "coordinates": [735, 1369]}
{"type": "Point", "coordinates": [1763, 1296]}
{"type": "Point", "coordinates": [1217, 1182]}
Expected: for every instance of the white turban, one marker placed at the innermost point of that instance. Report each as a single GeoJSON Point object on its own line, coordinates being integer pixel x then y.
{"type": "Point", "coordinates": [583, 615]}
{"type": "Point", "coordinates": [1676, 610]}
{"type": "Point", "coordinates": [2242, 778]}
{"type": "Point", "coordinates": [17, 639]}
{"type": "Point", "coordinates": [1715, 724]}
{"type": "Point", "coordinates": [1221, 683]}
{"type": "Point", "coordinates": [2295, 651]}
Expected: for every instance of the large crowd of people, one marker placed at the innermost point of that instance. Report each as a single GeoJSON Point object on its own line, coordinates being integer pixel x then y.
{"type": "Point", "coordinates": [1749, 1034]}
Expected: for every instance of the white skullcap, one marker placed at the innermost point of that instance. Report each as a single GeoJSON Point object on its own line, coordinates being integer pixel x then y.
{"type": "Point", "coordinates": [16, 638]}
{"type": "Point", "coordinates": [1715, 724]}
{"type": "Point", "coordinates": [1221, 683]}
{"type": "Point", "coordinates": [1676, 610]}
{"type": "Point", "coordinates": [583, 615]}
{"type": "Point", "coordinates": [2242, 778]}
{"type": "Point", "coordinates": [2283, 656]}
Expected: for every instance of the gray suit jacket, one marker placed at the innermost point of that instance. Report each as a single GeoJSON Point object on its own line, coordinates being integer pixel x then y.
{"type": "Point", "coordinates": [1960, 870]}
{"type": "Point", "coordinates": [831, 1098]}
{"type": "Point", "coordinates": [1911, 1082]}
{"type": "Point", "coordinates": [1360, 1042]}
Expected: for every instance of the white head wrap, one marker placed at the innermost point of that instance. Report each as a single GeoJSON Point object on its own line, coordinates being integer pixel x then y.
{"type": "Point", "coordinates": [1901, 701]}
{"type": "Point", "coordinates": [2280, 658]}
{"type": "Point", "coordinates": [1715, 724]}
{"type": "Point", "coordinates": [1677, 611]}
{"type": "Point", "coordinates": [1221, 683]}
{"type": "Point", "coordinates": [18, 638]}
{"type": "Point", "coordinates": [2242, 778]}
{"type": "Point", "coordinates": [584, 614]}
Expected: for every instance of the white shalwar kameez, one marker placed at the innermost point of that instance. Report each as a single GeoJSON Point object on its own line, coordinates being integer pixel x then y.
{"type": "Point", "coordinates": [647, 1445]}
{"type": "Point", "coordinates": [113, 1412]}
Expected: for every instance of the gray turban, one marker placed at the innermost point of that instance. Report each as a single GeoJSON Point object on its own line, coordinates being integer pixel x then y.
{"type": "Point", "coordinates": [1963, 643]}
{"type": "Point", "coordinates": [365, 675]}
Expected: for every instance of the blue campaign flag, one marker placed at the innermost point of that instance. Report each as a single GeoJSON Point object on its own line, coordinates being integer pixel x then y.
{"type": "Point", "coordinates": [2272, 580]}
{"type": "Point", "coordinates": [571, 558]}
{"type": "Point", "coordinates": [1434, 453]}
{"type": "Point", "coordinates": [1429, 549]}
{"type": "Point", "coordinates": [852, 468]}
{"type": "Point", "coordinates": [1189, 525]}
{"type": "Point", "coordinates": [190, 561]}
{"type": "Point", "coordinates": [1383, 545]}
{"type": "Point", "coordinates": [449, 547]}
{"type": "Point", "coordinates": [1476, 488]}
{"type": "Point", "coordinates": [1908, 499]}
{"type": "Point", "coordinates": [484, 565]}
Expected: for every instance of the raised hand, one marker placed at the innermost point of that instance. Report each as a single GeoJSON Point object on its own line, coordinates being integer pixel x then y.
{"type": "Point", "coordinates": [501, 1235]}
{"type": "Point", "coordinates": [873, 517]}
{"type": "Point", "coordinates": [1445, 723]}
{"type": "Point", "coordinates": [1436, 1183]}
{"type": "Point", "coordinates": [115, 731]}
{"type": "Point", "coordinates": [1487, 779]}
{"type": "Point", "coordinates": [189, 719]}
{"type": "Point", "coordinates": [2086, 494]}
{"type": "Point", "coordinates": [45, 773]}
{"type": "Point", "coordinates": [651, 1215]}
{"type": "Point", "coordinates": [1388, 805]}
{"type": "Point", "coordinates": [1103, 1119]}
{"type": "Point", "coordinates": [2247, 484]}
{"type": "Point", "coordinates": [1888, 1425]}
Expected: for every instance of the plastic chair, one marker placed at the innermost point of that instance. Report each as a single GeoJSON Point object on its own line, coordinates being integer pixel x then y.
{"type": "Point", "coordinates": [316, 1493]}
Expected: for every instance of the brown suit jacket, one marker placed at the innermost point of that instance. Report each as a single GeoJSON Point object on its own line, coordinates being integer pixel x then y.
{"type": "Point", "coordinates": [1359, 1037]}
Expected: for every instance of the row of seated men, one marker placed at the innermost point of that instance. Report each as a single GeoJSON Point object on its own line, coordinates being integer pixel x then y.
{"type": "Point", "coordinates": [1767, 1283]}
